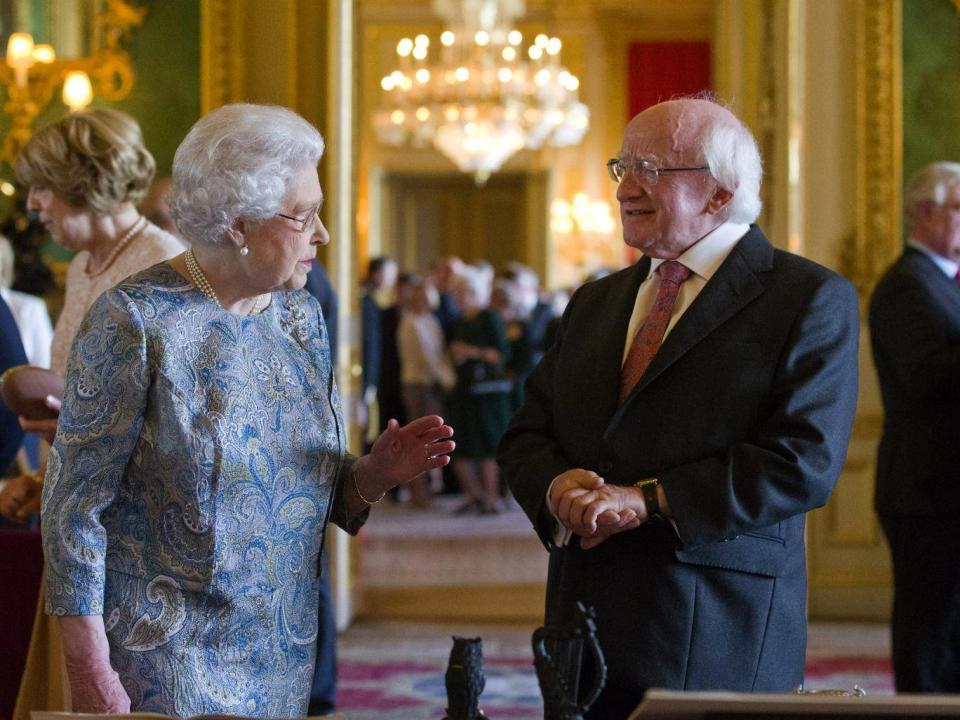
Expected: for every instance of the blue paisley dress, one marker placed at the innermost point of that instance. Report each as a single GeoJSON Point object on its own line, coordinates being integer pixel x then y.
{"type": "Point", "coordinates": [198, 459]}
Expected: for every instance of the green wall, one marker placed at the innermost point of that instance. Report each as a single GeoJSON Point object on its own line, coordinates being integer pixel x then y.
{"type": "Point", "coordinates": [165, 99]}
{"type": "Point", "coordinates": [931, 83]}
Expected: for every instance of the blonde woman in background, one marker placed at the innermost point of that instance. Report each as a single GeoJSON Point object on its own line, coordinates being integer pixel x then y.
{"type": "Point", "coordinates": [426, 373]}
{"type": "Point", "coordinates": [86, 175]}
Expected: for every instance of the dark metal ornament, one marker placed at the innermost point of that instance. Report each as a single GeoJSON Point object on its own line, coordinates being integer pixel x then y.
{"type": "Point", "coordinates": [558, 658]}
{"type": "Point", "coordinates": [464, 679]}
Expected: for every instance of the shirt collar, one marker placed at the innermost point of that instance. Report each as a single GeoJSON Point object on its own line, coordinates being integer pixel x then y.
{"type": "Point", "coordinates": [948, 266]}
{"type": "Point", "coordinates": [706, 255]}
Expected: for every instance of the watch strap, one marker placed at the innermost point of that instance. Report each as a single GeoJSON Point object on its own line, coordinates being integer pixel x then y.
{"type": "Point", "coordinates": [648, 486]}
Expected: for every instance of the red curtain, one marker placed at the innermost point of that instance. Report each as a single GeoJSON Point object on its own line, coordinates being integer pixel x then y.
{"type": "Point", "coordinates": [659, 70]}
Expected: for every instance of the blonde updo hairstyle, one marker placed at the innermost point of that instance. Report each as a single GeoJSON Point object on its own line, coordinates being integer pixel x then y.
{"type": "Point", "coordinates": [93, 159]}
{"type": "Point", "coordinates": [237, 163]}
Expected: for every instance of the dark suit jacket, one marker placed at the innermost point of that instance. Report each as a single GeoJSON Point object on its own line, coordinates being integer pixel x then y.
{"type": "Point", "coordinates": [389, 395]}
{"type": "Point", "coordinates": [915, 332]}
{"type": "Point", "coordinates": [744, 415]}
{"type": "Point", "coordinates": [318, 285]}
{"type": "Point", "coordinates": [371, 341]}
{"type": "Point", "coordinates": [11, 353]}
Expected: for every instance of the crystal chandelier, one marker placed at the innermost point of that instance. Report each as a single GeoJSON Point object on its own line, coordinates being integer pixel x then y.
{"type": "Point", "coordinates": [482, 97]}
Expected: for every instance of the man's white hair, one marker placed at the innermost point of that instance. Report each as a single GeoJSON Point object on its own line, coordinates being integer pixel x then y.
{"type": "Point", "coordinates": [931, 183]}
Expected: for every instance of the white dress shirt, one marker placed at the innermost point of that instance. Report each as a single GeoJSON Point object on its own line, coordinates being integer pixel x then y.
{"type": "Point", "coordinates": [33, 321]}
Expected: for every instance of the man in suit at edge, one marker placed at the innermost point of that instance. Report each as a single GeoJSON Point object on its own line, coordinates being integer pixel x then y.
{"type": "Point", "coordinates": [323, 690]}
{"type": "Point", "coordinates": [677, 512]}
{"type": "Point", "coordinates": [915, 332]}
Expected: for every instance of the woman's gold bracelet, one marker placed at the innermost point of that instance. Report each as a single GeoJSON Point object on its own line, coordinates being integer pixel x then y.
{"type": "Point", "coordinates": [356, 487]}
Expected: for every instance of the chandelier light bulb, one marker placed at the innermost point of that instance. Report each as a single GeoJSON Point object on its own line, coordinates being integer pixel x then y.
{"type": "Point", "coordinates": [77, 90]}
{"type": "Point", "coordinates": [20, 55]}
{"type": "Point", "coordinates": [482, 98]}
{"type": "Point", "coordinates": [44, 54]}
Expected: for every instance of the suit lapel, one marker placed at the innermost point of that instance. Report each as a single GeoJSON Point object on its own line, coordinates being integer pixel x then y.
{"type": "Point", "coordinates": [733, 286]}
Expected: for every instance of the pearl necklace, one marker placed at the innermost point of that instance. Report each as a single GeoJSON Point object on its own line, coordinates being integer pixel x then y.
{"type": "Point", "coordinates": [129, 236]}
{"type": "Point", "coordinates": [200, 280]}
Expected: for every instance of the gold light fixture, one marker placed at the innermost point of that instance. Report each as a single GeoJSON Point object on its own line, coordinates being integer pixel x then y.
{"type": "Point", "coordinates": [484, 97]}
{"type": "Point", "coordinates": [32, 73]}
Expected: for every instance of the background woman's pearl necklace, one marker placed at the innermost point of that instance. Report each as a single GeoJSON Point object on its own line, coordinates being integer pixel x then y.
{"type": "Point", "coordinates": [200, 280]}
{"type": "Point", "coordinates": [134, 232]}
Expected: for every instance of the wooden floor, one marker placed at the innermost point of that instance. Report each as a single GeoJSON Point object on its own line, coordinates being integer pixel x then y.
{"type": "Point", "coordinates": [437, 565]}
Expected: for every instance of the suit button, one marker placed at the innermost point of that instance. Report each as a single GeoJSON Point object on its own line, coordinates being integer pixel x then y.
{"type": "Point", "coordinates": [605, 466]}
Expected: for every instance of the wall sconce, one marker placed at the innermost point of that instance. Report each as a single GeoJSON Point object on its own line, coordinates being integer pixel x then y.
{"type": "Point", "coordinates": [33, 72]}
{"type": "Point", "coordinates": [582, 215]}
{"type": "Point", "coordinates": [583, 233]}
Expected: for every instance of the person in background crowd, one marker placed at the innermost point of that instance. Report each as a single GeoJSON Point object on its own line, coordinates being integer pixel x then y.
{"type": "Point", "coordinates": [915, 333]}
{"type": "Point", "coordinates": [389, 394]}
{"type": "Point", "coordinates": [155, 208]}
{"type": "Point", "coordinates": [377, 288]}
{"type": "Point", "coordinates": [29, 312]}
{"type": "Point", "coordinates": [691, 410]}
{"type": "Point", "coordinates": [11, 354]}
{"type": "Point", "coordinates": [506, 301]}
{"type": "Point", "coordinates": [426, 371]}
{"type": "Point", "coordinates": [36, 334]}
{"type": "Point", "coordinates": [86, 174]}
{"type": "Point", "coordinates": [445, 270]}
{"type": "Point", "coordinates": [318, 285]}
{"type": "Point", "coordinates": [480, 401]}
{"type": "Point", "coordinates": [536, 307]}
{"type": "Point", "coordinates": [199, 595]}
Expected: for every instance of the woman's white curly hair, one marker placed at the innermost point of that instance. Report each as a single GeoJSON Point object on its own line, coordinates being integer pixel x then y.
{"type": "Point", "coordinates": [237, 163]}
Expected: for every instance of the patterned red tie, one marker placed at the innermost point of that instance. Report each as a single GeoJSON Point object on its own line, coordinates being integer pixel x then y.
{"type": "Point", "coordinates": [647, 341]}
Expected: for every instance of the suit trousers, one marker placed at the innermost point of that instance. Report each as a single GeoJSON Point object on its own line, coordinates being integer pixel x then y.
{"type": "Point", "coordinates": [925, 626]}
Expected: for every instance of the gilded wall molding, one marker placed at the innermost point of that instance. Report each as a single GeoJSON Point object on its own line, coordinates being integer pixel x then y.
{"type": "Point", "coordinates": [879, 59]}
{"type": "Point", "coordinates": [221, 53]}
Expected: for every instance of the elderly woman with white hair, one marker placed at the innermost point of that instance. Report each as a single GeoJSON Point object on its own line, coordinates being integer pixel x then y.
{"type": "Point", "coordinates": [201, 450]}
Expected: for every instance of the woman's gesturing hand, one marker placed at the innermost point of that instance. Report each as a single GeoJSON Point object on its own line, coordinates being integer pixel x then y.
{"type": "Point", "coordinates": [402, 453]}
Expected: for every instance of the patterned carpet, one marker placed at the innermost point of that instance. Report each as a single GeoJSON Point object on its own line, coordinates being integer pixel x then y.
{"type": "Point", "coordinates": [394, 671]}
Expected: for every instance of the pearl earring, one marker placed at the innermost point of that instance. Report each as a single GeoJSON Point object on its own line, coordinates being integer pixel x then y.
{"type": "Point", "coordinates": [244, 250]}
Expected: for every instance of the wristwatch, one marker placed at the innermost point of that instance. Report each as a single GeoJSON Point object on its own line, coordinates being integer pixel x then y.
{"type": "Point", "coordinates": [648, 486]}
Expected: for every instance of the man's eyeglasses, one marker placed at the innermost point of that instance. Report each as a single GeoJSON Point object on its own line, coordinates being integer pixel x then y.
{"type": "Point", "coordinates": [646, 169]}
{"type": "Point", "coordinates": [308, 222]}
